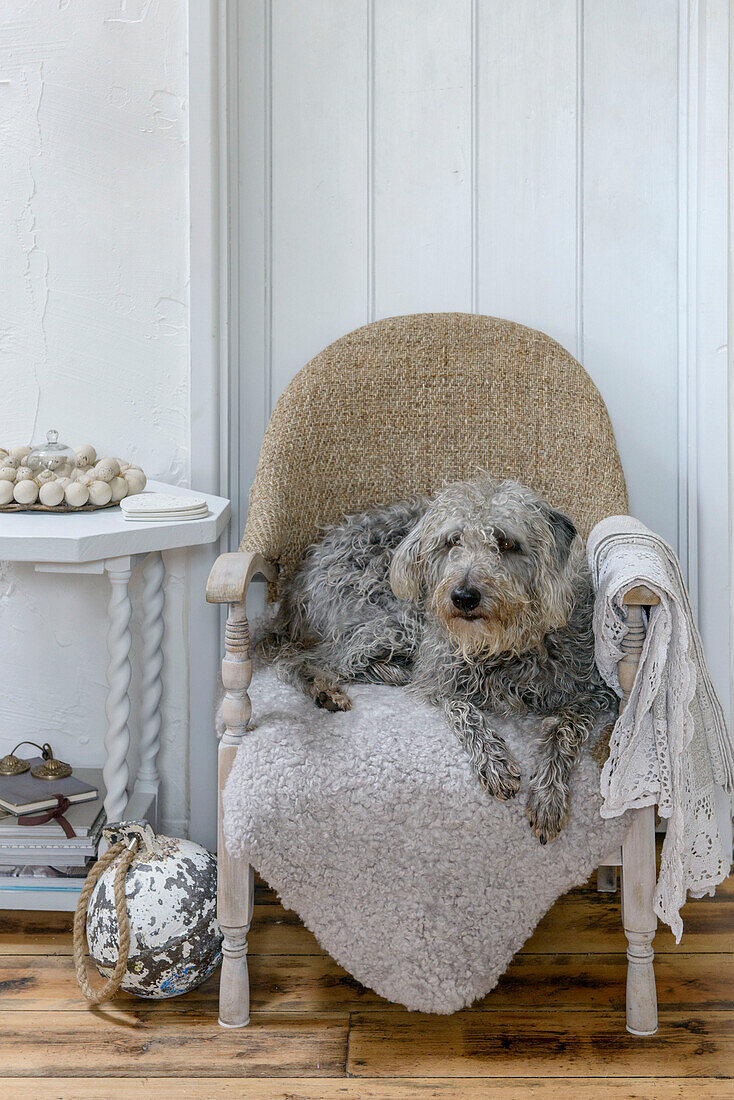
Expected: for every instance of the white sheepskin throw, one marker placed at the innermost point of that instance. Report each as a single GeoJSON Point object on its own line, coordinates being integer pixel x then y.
{"type": "Point", "coordinates": [373, 827]}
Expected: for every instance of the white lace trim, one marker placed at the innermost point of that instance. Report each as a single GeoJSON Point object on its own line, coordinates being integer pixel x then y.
{"type": "Point", "coordinates": [670, 746]}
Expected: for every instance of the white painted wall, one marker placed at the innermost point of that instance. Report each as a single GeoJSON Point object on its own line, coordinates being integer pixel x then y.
{"type": "Point", "coordinates": [94, 335]}
{"type": "Point", "coordinates": [558, 162]}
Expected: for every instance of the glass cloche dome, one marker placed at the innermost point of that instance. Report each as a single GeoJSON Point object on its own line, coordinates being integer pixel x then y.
{"type": "Point", "coordinates": [53, 456]}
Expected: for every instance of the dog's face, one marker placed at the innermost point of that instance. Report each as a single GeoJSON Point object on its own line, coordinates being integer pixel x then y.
{"type": "Point", "coordinates": [493, 563]}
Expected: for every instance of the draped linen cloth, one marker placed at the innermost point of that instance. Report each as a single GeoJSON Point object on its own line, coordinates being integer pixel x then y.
{"type": "Point", "coordinates": [670, 747]}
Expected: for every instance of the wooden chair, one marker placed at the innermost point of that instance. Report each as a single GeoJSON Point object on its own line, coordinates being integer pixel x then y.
{"type": "Point", "coordinates": [395, 409]}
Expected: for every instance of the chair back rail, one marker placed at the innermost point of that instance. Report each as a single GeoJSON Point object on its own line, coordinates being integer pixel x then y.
{"type": "Point", "coordinates": [404, 405]}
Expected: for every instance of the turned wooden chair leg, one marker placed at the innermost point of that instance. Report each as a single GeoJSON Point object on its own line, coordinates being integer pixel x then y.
{"type": "Point", "coordinates": [640, 922]}
{"type": "Point", "coordinates": [228, 583]}
{"type": "Point", "coordinates": [638, 857]}
{"type": "Point", "coordinates": [234, 876]}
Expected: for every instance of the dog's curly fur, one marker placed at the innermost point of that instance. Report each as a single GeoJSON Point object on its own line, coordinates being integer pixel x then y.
{"type": "Point", "coordinates": [479, 598]}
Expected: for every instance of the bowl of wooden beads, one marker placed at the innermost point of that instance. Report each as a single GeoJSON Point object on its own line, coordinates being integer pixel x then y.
{"type": "Point", "coordinates": [56, 478]}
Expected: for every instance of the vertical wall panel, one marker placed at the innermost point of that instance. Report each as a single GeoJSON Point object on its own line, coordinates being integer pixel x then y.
{"type": "Point", "coordinates": [319, 177]}
{"type": "Point", "coordinates": [558, 162]}
{"type": "Point", "coordinates": [526, 163]}
{"type": "Point", "coordinates": [252, 281]}
{"type": "Point", "coordinates": [422, 171]}
{"type": "Point", "coordinates": [630, 234]}
{"type": "Point", "coordinates": [710, 516]}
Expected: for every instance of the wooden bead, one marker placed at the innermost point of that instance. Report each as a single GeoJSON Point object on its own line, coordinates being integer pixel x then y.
{"type": "Point", "coordinates": [76, 494]}
{"type": "Point", "coordinates": [106, 469]}
{"type": "Point", "coordinates": [51, 493]}
{"type": "Point", "coordinates": [86, 455]}
{"type": "Point", "coordinates": [25, 492]}
{"type": "Point", "coordinates": [135, 479]}
{"type": "Point", "coordinates": [100, 493]}
{"type": "Point", "coordinates": [119, 488]}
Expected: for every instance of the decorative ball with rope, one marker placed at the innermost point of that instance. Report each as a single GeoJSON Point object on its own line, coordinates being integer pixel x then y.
{"type": "Point", "coordinates": [148, 909]}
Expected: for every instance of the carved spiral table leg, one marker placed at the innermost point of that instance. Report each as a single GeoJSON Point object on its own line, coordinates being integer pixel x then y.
{"type": "Point", "coordinates": [117, 741]}
{"type": "Point", "coordinates": [235, 877]}
{"type": "Point", "coordinates": [147, 780]}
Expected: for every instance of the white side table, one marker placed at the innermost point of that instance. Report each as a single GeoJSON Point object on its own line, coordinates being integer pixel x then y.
{"type": "Point", "coordinates": [103, 542]}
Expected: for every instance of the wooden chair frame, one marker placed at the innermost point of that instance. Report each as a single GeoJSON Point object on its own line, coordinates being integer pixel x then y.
{"type": "Point", "coordinates": [228, 583]}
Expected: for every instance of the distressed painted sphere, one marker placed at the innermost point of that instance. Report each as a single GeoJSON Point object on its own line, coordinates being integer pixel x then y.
{"type": "Point", "coordinates": [175, 941]}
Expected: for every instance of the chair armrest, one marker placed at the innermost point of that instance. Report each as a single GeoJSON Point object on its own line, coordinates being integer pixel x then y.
{"type": "Point", "coordinates": [641, 596]}
{"type": "Point", "coordinates": [231, 575]}
{"type": "Point", "coordinates": [228, 583]}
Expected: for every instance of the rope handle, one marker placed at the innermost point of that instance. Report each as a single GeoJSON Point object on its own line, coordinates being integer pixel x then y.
{"type": "Point", "coordinates": [127, 850]}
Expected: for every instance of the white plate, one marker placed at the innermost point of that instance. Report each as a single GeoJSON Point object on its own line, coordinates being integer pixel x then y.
{"type": "Point", "coordinates": [170, 512]}
{"type": "Point", "coordinates": [162, 504]}
{"type": "Point", "coordinates": [148, 517]}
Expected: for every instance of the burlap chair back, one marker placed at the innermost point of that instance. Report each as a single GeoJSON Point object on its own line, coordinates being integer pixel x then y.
{"type": "Point", "coordinates": [403, 405]}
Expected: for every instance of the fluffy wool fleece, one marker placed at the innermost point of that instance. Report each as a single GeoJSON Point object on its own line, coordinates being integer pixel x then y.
{"type": "Point", "coordinates": [372, 826]}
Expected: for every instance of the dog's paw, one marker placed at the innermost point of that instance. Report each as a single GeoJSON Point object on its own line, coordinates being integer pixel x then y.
{"type": "Point", "coordinates": [332, 699]}
{"type": "Point", "coordinates": [501, 778]}
{"type": "Point", "coordinates": [547, 811]}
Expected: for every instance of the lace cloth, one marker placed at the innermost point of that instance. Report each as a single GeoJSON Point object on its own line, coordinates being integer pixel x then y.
{"type": "Point", "coordinates": [670, 746]}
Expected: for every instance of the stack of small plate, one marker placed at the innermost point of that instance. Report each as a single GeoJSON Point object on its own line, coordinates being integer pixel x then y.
{"type": "Point", "coordinates": [158, 506]}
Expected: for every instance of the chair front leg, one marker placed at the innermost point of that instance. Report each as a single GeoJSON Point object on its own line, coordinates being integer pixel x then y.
{"type": "Point", "coordinates": [228, 583]}
{"type": "Point", "coordinates": [639, 871]}
{"type": "Point", "coordinates": [640, 922]}
{"type": "Point", "coordinates": [234, 876]}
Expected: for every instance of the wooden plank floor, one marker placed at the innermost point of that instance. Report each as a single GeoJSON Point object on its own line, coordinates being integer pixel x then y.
{"type": "Point", "coordinates": [553, 1028]}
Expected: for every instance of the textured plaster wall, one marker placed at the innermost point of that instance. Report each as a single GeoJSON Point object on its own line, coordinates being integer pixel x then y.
{"type": "Point", "coordinates": [93, 327]}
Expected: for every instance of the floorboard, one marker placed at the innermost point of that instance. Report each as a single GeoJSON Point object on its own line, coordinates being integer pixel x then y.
{"type": "Point", "coordinates": [445, 1088]}
{"type": "Point", "coordinates": [553, 1028]}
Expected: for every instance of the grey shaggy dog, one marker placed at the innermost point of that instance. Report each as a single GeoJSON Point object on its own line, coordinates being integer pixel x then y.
{"type": "Point", "coordinates": [478, 598]}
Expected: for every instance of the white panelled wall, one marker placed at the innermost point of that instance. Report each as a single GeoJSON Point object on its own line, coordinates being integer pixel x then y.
{"type": "Point", "coordinates": [558, 162]}
{"type": "Point", "coordinates": [562, 163]}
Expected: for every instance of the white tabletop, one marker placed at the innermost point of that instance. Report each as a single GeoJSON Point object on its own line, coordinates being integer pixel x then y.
{"type": "Point", "coordinates": [91, 536]}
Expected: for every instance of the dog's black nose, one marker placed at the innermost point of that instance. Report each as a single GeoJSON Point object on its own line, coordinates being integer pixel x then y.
{"type": "Point", "coordinates": [465, 598]}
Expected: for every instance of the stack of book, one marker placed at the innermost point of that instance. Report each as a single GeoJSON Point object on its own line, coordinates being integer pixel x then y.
{"type": "Point", "coordinates": [44, 848]}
